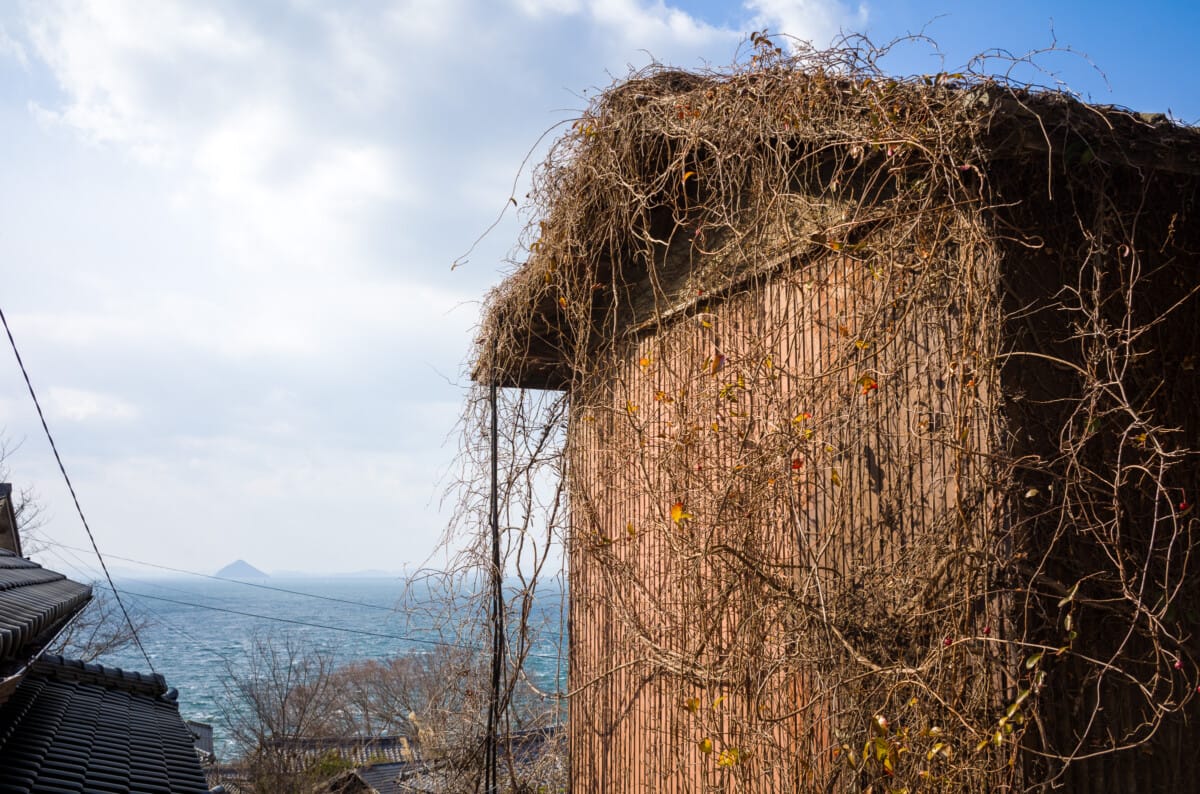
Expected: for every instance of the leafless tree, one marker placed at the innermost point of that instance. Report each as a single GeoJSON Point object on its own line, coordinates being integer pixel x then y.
{"type": "Point", "coordinates": [100, 630]}
{"type": "Point", "coordinates": [276, 703]}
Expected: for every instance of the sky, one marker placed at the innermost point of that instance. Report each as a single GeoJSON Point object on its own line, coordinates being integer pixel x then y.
{"type": "Point", "coordinates": [227, 230]}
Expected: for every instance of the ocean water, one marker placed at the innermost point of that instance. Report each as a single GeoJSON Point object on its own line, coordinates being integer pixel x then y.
{"type": "Point", "coordinates": [199, 630]}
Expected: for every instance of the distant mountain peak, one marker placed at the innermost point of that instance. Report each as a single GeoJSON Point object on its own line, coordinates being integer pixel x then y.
{"type": "Point", "coordinates": [240, 569]}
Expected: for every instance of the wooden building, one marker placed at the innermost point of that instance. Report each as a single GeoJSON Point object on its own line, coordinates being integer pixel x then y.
{"type": "Point", "coordinates": [882, 433]}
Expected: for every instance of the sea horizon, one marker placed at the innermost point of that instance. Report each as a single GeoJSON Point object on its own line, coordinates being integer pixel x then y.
{"type": "Point", "coordinates": [200, 629]}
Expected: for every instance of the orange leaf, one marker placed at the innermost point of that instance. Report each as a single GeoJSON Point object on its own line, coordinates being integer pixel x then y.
{"type": "Point", "coordinates": [729, 757]}
{"type": "Point", "coordinates": [644, 362]}
{"type": "Point", "coordinates": [677, 513]}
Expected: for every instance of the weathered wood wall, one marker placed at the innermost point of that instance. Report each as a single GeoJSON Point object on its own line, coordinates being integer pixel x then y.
{"type": "Point", "coordinates": [826, 429]}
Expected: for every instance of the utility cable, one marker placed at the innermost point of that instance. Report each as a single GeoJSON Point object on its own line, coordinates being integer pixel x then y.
{"type": "Point", "coordinates": [349, 601]}
{"type": "Point", "coordinates": [310, 624]}
{"type": "Point", "coordinates": [51, 546]}
{"type": "Point", "coordinates": [71, 488]}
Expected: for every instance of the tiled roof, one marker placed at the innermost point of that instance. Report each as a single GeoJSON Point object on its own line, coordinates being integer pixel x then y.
{"type": "Point", "coordinates": [355, 749]}
{"type": "Point", "coordinates": [384, 778]}
{"type": "Point", "coordinates": [34, 602]}
{"type": "Point", "coordinates": [74, 727]}
{"type": "Point", "coordinates": [202, 737]}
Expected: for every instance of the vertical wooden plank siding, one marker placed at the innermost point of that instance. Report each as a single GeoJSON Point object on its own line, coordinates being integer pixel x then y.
{"type": "Point", "coordinates": [751, 414]}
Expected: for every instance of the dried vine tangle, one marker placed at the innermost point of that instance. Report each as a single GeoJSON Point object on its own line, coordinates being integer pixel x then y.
{"type": "Point", "coordinates": [855, 397]}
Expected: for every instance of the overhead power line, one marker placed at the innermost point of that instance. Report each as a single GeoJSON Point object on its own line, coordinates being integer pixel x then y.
{"type": "Point", "coordinates": [310, 624]}
{"type": "Point", "coordinates": [243, 582]}
{"type": "Point", "coordinates": [71, 488]}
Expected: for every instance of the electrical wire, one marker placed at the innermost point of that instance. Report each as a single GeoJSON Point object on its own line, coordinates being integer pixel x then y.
{"type": "Point", "coordinates": [71, 488]}
{"type": "Point", "coordinates": [310, 624]}
{"type": "Point", "coordinates": [232, 581]}
{"type": "Point", "coordinates": [52, 545]}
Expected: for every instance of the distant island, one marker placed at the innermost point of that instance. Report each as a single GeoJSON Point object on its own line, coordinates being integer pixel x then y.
{"type": "Point", "coordinates": [241, 569]}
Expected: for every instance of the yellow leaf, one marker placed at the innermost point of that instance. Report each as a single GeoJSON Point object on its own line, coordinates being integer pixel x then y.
{"type": "Point", "coordinates": [692, 705]}
{"type": "Point", "coordinates": [688, 175]}
{"type": "Point", "coordinates": [835, 478]}
{"type": "Point", "coordinates": [630, 529]}
{"type": "Point", "coordinates": [644, 362]}
{"type": "Point", "coordinates": [706, 746]}
{"type": "Point", "coordinates": [562, 301]}
{"type": "Point", "coordinates": [630, 407]}
{"type": "Point", "coordinates": [729, 757]}
{"type": "Point", "coordinates": [677, 513]}
{"type": "Point", "coordinates": [861, 344]}
{"type": "Point", "coordinates": [716, 427]}
{"type": "Point", "coordinates": [717, 703]}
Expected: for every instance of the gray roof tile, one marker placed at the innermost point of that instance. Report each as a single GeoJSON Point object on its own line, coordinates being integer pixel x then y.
{"type": "Point", "coordinates": [34, 602]}
{"type": "Point", "coordinates": [84, 727]}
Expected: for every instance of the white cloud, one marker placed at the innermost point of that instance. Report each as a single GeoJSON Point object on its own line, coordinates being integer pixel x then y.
{"type": "Point", "coordinates": [130, 71]}
{"type": "Point", "coordinates": [815, 22]}
{"type": "Point", "coordinates": [639, 24]}
{"type": "Point", "coordinates": [10, 47]}
{"type": "Point", "coordinates": [242, 223]}
{"type": "Point", "coordinates": [81, 405]}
